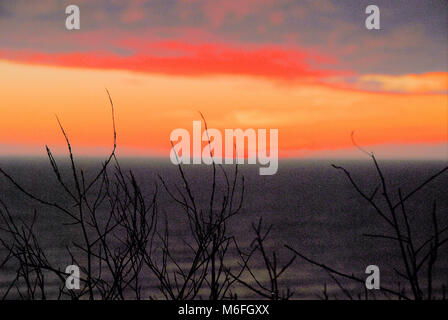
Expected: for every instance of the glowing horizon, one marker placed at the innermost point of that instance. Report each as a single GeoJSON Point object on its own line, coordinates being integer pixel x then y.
{"type": "Point", "coordinates": [160, 75]}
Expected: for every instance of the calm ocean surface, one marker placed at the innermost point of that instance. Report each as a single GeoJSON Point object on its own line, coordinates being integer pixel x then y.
{"type": "Point", "coordinates": [311, 205]}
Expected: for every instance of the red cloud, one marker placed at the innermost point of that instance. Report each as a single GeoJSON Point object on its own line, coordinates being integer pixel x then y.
{"type": "Point", "coordinates": [276, 17]}
{"type": "Point", "coordinates": [181, 58]}
{"type": "Point", "coordinates": [133, 14]}
{"type": "Point", "coordinates": [217, 10]}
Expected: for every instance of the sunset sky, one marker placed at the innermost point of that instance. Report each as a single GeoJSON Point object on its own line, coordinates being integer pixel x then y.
{"type": "Point", "coordinates": [307, 68]}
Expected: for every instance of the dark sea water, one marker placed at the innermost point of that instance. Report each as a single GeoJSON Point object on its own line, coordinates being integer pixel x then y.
{"type": "Point", "coordinates": [312, 207]}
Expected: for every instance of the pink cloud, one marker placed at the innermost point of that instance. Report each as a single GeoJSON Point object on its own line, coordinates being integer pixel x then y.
{"type": "Point", "coordinates": [188, 59]}
{"type": "Point", "coordinates": [276, 17]}
{"type": "Point", "coordinates": [132, 14]}
{"type": "Point", "coordinates": [218, 10]}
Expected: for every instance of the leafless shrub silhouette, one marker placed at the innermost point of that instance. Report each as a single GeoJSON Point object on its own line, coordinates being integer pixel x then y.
{"type": "Point", "coordinates": [273, 270]}
{"type": "Point", "coordinates": [101, 208]}
{"type": "Point", "coordinates": [211, 242]}
{"type": "Point", "coordinates": [126, 243]}
{"type": "Point", "coordinates": [124, 246]}
{"type": "Point", "coordinates": [418, 257]}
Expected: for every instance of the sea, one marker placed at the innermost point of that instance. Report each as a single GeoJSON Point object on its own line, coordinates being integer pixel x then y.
{"type": "Point", "coordinates": [309, 205]}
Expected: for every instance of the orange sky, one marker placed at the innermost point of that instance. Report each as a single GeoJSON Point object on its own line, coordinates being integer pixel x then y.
{"type": "Point", "coordinates": [310, 116]}
{"type": "Point", "coordinates": [310, 69]}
